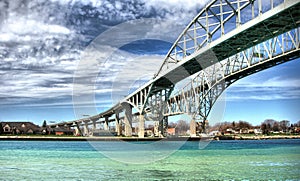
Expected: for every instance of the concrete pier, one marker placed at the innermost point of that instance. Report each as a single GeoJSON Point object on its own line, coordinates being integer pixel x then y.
{"type": "Point", "coordinates": [141, 126]}
{"type": "Point", "coordinates": [193, 128]}
{"type": "Point", "coordinates": [128, 120]}
{"type": "Point", "coordinates": [86, 128]}
{"type": "Point", "coordinates": [106, 127]}
{"type": "Point", "coordinates": [118, 124]}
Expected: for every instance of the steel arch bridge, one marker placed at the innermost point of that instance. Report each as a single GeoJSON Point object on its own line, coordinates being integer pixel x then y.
{"type": "Point", "coordinates": [226, 41]}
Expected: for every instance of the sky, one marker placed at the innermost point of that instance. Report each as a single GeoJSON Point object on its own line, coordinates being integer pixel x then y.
{"type": "Point", "coordinates": [49, 47]}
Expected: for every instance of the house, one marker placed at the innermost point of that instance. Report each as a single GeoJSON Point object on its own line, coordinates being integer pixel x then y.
{"type": "Point", "coordinates": [61, 131]}
{"type": "Point", "coordinates": [19, 128]}
{"type": "Point", "coordinates": [244, 131]}
{"type": "Point", "coordinates": [215, 133]}
{"type": "Point", "coordinates": [229, 131]}
{"type": "Point", "coordinates": [171, 131]}
{"type": "Point", "coordinates": [257, 131]}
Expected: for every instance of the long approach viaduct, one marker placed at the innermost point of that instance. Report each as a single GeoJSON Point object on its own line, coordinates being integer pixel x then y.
{"type": "Point", "coordinates": [226, 41]}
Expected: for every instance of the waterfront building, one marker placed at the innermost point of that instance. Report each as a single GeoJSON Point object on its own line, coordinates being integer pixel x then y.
{"type": "Point", "coordinates": [19, 128]}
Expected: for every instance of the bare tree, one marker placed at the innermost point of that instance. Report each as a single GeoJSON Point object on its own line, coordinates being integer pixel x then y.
{"type": "Point", "coordinates": [284, 124]}
{"type": "Point", "coordinates": [182, 127]}
{"type": "Point", "coordinates": [1, 128]}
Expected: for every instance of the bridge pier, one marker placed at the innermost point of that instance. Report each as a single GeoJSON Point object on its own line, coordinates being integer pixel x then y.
{"type": "Point", "coordinates": [78, 131]}
{"type": "Point", "coordinates": [118, 124]}
{"type": "Point", "coordinates": [86, 128]}
{"type": "Point", "coordinates": [94, 125]}
{"type": "Point", "coordinates": [193, 127]}
{"type": "Point", "coordinates": [161, 127]}
{"type": "Point", "coordinates": [165, 126]}
{"type": "Point", "coordinates": [128, 120]}
{"type": "Point", "coordinates": [106, 127]}
{"type": "Point", "coordinates": [141, 126]}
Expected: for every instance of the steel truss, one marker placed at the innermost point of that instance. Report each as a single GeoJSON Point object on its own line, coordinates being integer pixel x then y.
{"type": "Point", "coordinates": [219, 18]}
{"type": "Point", "coordinates": [198, 96]}
{"type": "Point", "coordinates": [236, 32]}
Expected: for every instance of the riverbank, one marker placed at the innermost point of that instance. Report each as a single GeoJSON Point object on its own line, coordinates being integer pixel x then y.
{"type": "Point", "coordinates": [256, 137]}
{"type": "Point", "coordinates": [75, 138]}
{"type": "Point", "coordinates": [115, 138]}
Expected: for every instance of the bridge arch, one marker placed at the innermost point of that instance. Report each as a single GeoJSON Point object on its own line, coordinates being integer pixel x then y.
{"type": "Point", "coordinates": [199, 96]}
{"type": "Point", "coordinates": [269, 36]}
{"type": "Point", "coordinates": [219, 19]}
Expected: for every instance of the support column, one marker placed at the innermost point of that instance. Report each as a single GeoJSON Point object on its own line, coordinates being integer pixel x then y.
{"type": "Point", "coordinates": [78, 129]}
{"type": "Point", "coordinates": [193, 128]}
{"type": "Point", "coordinates": [118, 124]}
{"type": "Point", "coordinates": [128, 120]}
{"type": "Point", "coordinates": [86, 128]}
{"type": "Point", "coordinates": [94, 125]}
{"type": "Point", "coordinates": [156, 128]}
{"type": "Point", "coordinates": [205, 126]}
{"type": "Point", "coordinates": [106, 128]}
{"type": "Point", "coordinates": [161, 127]}
{"type": "Point", "coordinates": [165, 126]}
{"type": "Point", "coordinates": [141, 126]}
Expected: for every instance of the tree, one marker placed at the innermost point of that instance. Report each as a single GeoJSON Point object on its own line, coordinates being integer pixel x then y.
{"type": "Point", "coordinates": [284, 124]}
{"type": "Point", "coordinates": [1, 128]}
{"type": "Point", "coordinates": [264, 128]}
{"type": "Point", "coordinates": [245, 124]}
{"type": "Point", "coordinates": [233, 124]}
{"type": "Point", "coordinates": [182, 127]}
{"type": "Point", "coordinates": [44, 124]}
{"type": "Point", "coordinates": [276, 126]}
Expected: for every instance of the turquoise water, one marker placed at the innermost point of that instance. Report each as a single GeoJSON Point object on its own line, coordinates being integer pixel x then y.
{"type": "Point", "coordinates": [220, 160]}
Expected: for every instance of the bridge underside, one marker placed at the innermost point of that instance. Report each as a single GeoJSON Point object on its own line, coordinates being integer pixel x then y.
{"type": "Point", "coordinates": [268, 25]}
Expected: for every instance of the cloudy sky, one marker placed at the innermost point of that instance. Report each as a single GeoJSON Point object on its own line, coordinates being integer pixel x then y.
{"type": "Point", "coordinates": [49, 47]}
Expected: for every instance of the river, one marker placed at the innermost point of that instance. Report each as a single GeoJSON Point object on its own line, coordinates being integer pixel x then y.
{"type": "Point", "coordinates": [219, 160]}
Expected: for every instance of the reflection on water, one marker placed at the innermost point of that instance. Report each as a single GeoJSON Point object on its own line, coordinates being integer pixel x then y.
{"type": "Point", "coordinates": [223, 160]}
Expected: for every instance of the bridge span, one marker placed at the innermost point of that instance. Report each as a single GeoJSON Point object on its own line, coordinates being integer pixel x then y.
{"type": "Point", "coordinates": [226, 41]}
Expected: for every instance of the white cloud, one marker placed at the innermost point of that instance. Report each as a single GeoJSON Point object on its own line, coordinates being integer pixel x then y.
{"type": "Point", "coordinates": [24, 26]}
{"type": "Point", "coordinates": [275, 88]}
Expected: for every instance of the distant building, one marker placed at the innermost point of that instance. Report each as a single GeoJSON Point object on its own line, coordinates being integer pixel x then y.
{"type": "Point", "coordinates": [20, 128]}
{"type": "Point", "coordinates": [230, 131]}
{"type": "Point", "coordinates": [215, 133]}
{"type": "Point", "coordinates": [244, 131]}
{"type": "Point", "coordinates": [62, 131]}
{"type": "Point", "coordinates": [257, 131]}
{"type": "Point", "coordinates": [171, 131]}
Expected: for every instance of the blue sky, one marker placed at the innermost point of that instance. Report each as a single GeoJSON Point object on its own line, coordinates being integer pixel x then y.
{"type": "Point", "coordinates": [42, 43]}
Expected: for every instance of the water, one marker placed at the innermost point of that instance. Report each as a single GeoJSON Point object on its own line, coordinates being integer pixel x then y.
{"type": "Point", "coordinates": [220, 160]}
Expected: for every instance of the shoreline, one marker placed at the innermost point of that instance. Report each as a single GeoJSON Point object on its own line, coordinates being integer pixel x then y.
{"type": "Point", "coordinates": [112, 138]}
{"type": "Point", "coordinates": [260, 137]}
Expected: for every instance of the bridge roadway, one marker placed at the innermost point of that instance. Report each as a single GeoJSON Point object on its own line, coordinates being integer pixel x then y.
{"type": "Point", "coordinates": [272, 23]}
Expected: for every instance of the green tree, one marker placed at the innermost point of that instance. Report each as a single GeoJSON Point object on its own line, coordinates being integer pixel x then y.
{"type": "Point", "coordinates": [44, 124]}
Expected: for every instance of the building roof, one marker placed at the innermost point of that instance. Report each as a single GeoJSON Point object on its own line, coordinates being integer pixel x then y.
{"type": "Point", "coordinates": [60, 129]}
{"type": "Point", "coordinates": [22, 126]}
